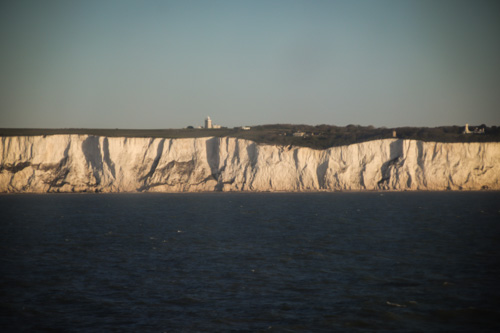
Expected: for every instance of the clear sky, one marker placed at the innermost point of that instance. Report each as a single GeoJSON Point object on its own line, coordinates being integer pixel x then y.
{"type": "Point", "coordinates": [169, 64]}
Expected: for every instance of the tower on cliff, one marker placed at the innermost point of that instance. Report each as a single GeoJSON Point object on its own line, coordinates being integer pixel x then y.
{"type": "Point", "coordinates": [467, 131]}
{"type": "Point", "coordinates": [208, 122]}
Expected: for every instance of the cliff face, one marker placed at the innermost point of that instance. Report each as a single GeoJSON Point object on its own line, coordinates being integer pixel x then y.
{"type": "Point", "coordinates": [82, 163]}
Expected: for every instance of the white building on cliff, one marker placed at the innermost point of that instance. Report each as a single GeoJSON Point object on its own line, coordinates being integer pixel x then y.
{"type": "Point", "coordinates": [208, 123]}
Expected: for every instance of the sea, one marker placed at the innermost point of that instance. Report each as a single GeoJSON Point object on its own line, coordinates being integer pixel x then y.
{"type": "Point", "coordinates": [250, 262]}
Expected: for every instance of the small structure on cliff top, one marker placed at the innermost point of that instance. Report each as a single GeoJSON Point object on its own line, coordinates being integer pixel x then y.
{"type": "Point", "coordinates": [466, 130]}
{"type": "Point", "coordinates": [209, 124]}
{"type": "Point", "coordinates": [477, 130]}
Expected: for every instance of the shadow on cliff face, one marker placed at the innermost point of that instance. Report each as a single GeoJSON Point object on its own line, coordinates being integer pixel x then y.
{"type": "Point", "coordinates": [61, 170]}
{"type": "Point", "coordinates": [106, 158]}
{"type": "Point", "coordinates": [321, 173]}
{"type": "Point", "coordinates": [92, 151]}
{"type": "Point", "coordinates": [154, 165]}
{"type": "Point", "coordinates": [396, 149]}
{"type": "Point", "coordinates": [14, 168]}
{"type": "Point", "coordinates": [420, 153]}
{"type": "Point", "coordinates": [395, 152]}
{"type": "Point", "coordinates": [252, 154]}
{"type": "Point", "coordinates": [420, 163]}
{"type": "Point", "coordinates": [213, 159]}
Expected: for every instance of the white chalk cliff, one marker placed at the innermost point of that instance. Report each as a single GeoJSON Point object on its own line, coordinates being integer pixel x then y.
{"type": "Point", "coordinates": [85, 163]}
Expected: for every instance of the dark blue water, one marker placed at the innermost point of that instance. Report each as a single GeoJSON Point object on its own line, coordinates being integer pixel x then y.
{"type": "Point", "coordinates": [403, 262]}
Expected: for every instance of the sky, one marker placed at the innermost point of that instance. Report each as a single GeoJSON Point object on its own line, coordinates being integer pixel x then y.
{"type": "Point", "coordinates": [169, 64]}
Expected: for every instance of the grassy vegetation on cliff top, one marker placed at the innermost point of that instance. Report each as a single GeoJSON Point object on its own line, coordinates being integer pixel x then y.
{"type": "Point", "coordinates": [317, 137]}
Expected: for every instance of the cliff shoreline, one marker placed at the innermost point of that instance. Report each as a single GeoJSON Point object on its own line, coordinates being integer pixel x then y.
{"type": "Point", "coordinates": [88, 163]}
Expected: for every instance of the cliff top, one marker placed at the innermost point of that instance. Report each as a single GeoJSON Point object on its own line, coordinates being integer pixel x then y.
{"type": "Point", "coordinates": [317, 137]}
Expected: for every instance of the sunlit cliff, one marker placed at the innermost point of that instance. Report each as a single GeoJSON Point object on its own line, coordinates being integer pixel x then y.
{"type": "Point", "coordinates": [83, 163]}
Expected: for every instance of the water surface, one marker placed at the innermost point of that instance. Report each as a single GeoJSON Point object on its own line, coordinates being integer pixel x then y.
{"type": "Point", "coordinates": [405, 262]}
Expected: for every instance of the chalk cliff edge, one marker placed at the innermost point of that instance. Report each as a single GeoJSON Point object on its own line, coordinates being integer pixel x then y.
{"type": "Point", "coordinates": [86, 163]}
